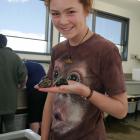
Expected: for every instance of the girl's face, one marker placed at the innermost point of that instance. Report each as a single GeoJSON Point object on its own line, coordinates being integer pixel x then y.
{"type": "Point", "coordinates": [69, 17]}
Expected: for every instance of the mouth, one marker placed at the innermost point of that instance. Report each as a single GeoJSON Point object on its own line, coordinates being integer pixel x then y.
{"type": "Point", "coordinates": [58, 122]}
{"type": "Point", "coordinates": [57, 125]}
{"type": "Point", "coordinates": [66, 30]}
{"type": "Point", "coordinates": [57, 118]}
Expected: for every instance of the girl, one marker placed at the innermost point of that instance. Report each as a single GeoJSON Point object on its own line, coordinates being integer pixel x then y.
{"type": "Point", "coordinates": [88, 55]}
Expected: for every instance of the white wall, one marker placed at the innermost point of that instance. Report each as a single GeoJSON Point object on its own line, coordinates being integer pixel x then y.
{"type": "Point", "coordinates": [37, 57]}
{"type": "Point", "coordinates": [134, 31]}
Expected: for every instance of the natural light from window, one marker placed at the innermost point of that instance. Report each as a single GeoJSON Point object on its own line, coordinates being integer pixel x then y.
{"type": "Point", "coordinates": [24, 21]}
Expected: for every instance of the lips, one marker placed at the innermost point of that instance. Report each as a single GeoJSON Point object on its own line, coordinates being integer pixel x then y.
{"type": "Point", "coordinates": [65, 29]}
{"type": "Point", "coordinates": [57, 124]}
{"type": "Point", "coordinates": [58, 120]}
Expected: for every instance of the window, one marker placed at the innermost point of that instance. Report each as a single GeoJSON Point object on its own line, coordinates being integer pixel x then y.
{"type": "Point", "coordinates": [24, 23]}
{"type": "Point", "coordinates": [115, 29]}
{"type": "Point", "coordinates": [89, 21]}
{"type": "Point", "coordinates": [61, 38]}
{"type": "Point", "coordinates": [112, 27]}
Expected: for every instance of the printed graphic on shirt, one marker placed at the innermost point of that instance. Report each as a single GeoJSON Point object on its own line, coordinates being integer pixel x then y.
{"type": "Point", "coordinates": [69, 110]}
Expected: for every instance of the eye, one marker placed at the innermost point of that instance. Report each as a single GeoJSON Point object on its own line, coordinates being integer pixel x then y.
{"type": "Point", "coordinates": [74, 76]}
{"type": "Point", "coordinates": [55, 14]}
{"type": "Point", "coordinates": [71, 12]}
{"type": "Point", "coordinates": [55, 74]}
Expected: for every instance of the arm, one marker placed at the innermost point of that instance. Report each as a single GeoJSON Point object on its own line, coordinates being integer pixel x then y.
{"type": "Point", "coordinates": [46, 120]}
{"type": "Point", "coordinates": [116, 106]}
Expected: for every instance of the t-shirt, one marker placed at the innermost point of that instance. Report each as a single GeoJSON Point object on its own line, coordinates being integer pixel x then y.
{"type": "Point", "coordinates": [97, 64]}
{"type": "Point", "coordinates": [35, 73]}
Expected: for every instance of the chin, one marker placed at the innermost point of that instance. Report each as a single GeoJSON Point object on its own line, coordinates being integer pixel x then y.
{"type": "Point", "coordinates": [68, 34]}
{"type": "Point", "coordinates": [61, 128]}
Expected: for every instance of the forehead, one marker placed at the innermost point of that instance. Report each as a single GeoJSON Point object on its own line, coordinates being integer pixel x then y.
{"type": "Point", "coordinates": [64, 4]}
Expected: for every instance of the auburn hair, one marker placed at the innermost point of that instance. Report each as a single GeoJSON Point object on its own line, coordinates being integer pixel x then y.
{"type": "Point", "coordinates": [87, 4]}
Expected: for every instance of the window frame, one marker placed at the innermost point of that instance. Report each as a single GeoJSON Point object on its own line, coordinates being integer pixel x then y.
{"type": "Point", "coordinates": [124, 31]}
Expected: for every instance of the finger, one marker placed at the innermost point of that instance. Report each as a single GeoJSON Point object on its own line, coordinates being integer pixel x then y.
{"type": "Point", "coordinates": [71, 82]}
{"type": "Point", "coordinates": [66, 88]}
{"type": "Point", "coordinates": [36, 87]}
{"type": "Point", "coordinates": [51, 90]}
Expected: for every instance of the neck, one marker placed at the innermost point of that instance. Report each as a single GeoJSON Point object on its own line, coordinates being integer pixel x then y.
{"type": "Point", "coordinates": [73, 42]}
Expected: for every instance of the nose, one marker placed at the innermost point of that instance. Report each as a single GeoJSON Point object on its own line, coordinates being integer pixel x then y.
{"type": "Point", "coordinates": [63, 20]}
{"type": "Point", "coordinates": [57, 116]}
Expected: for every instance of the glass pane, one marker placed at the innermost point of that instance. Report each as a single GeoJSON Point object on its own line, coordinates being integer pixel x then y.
{"type": "Point", "coordinates": [23, 18]}
{"type": "Point", "coordinates": [62, 38]}
{"type": "Point", "coordinates": [28, 45]}
{"type": "Point", "coordinates": [110, 29]}
{"type": "Point", "coordinates": [89, 21]}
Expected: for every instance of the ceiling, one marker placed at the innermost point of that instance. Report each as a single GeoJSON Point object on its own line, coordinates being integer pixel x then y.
{"type": "Point", "coordinates": [128, 4]}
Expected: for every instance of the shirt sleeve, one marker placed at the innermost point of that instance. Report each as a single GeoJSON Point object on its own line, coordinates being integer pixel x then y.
{"type": "Point", "coordinates": [112, 72]}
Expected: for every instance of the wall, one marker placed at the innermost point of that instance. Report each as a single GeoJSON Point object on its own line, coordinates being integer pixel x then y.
{"type": "Point", "coordinates": [134, 31]}
{"type": "Point", "coordinates": [37, 57]}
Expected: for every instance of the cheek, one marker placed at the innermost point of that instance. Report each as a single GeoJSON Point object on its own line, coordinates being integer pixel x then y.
{"type": "Point", "coordinates": [81, 19]}
{"type": "Point", "coordinates": [70, 111]}
{"type": "Point", "coordinates": [55, 21]}
{"type": "Point", "coordinates": [75, 114]}
{"type": "Point", "coordinates": [73, 19]}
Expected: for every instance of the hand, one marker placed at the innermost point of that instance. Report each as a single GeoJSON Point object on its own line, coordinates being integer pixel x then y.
{"type": "Point", "coordinates": [72, 87]}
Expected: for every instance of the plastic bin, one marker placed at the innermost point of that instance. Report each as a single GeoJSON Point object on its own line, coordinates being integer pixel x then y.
{"type": "Point", "coordinates": [131, 107]}
{"type": "Point", "coordinates": [26, 134]}
{"type": "Point", "coordinates": [20, 121]}
{"type": "Point", "coordinates": [136, 74]}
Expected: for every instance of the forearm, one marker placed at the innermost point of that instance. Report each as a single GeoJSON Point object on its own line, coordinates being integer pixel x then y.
{"type": "Point", "coordinates": [116, 106]}
{"type": "Point", "coordinates": [46, 120]}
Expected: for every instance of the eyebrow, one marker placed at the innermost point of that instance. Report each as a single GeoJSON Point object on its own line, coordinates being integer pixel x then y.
{"type": "Point", "coordinates": [64, 9]}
